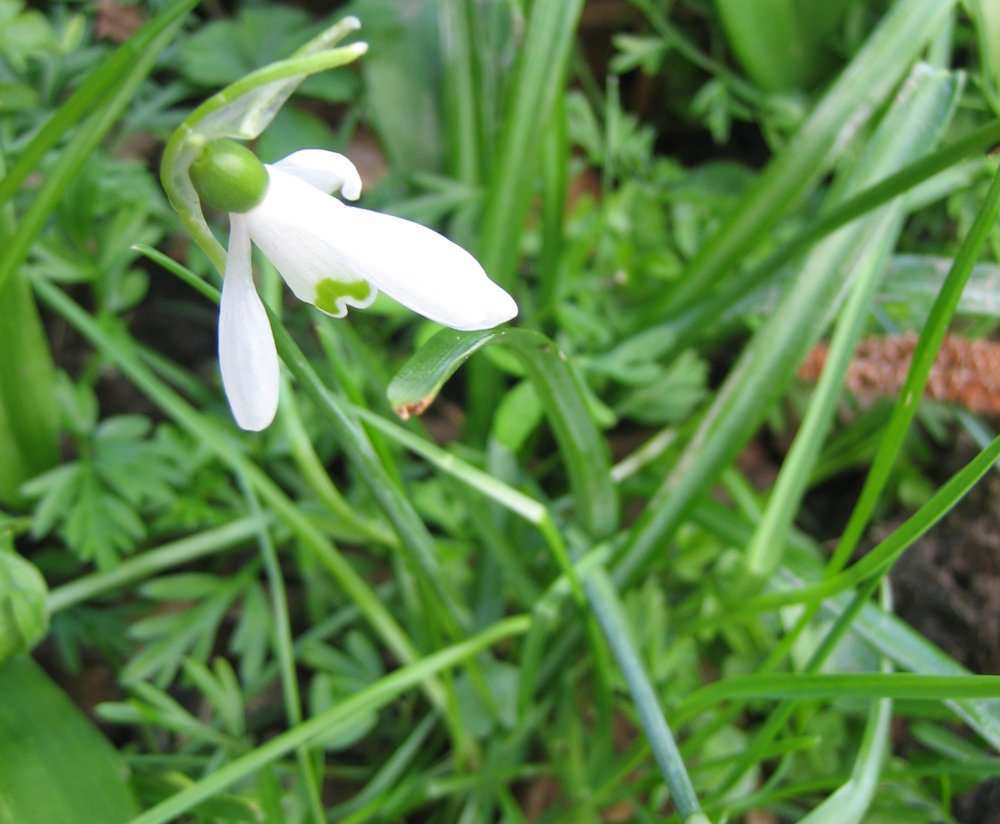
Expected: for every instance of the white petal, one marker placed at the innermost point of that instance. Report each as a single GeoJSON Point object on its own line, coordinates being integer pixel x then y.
{"type": "Point", "coordinates": [247, 355]}
{"type": "Point", "coordinates": [300, 255]}
{"type": "Point", "coordinates": [310, 237]}
{"type": "Point", "coordinates": [328, 171]}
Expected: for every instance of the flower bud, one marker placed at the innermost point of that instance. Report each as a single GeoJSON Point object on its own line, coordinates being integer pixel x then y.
{"type": "Point", "coordinates": [24, 618]}
{"type": "Point", "coordinates": [229, 177]}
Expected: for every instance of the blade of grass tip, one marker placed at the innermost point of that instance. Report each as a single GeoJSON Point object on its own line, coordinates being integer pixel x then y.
{"type": "Point", "coordinates": [94, 88]}
{"type": "Point", "coordinates": [87, 138]}
{"type": "Point", "coordinates": [284, 652]}
{"type": "Point", "coordinates": [612, 619]}
{"type": "Point", "coordinates": [836, 119]}
{"type": "Point", "coordinates": [411, 530]}
{"type": "Point", "coordinates": [221, 444]}
{"type": "Point", "coordinates": [769, 361]}
{"type": "Point", "coordinates": [924, 355]}
{"type": "Point", "coordinates": [369, 699]}
{"type": "Point", "coordinates": [583, 451]}
{"type": "Point", "coordinates": [156, 560]}
{"type": "Point", "coordinates": [555, 186]}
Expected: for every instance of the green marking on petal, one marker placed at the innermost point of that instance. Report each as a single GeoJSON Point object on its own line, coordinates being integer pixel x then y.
{"type": "Point", "coordinates": [330, 291]}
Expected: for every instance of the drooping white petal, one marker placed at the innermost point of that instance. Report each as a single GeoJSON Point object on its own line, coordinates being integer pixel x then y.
{"type": "Point", "coordinates": [247, 355]}
{"type": "Point", "coordinates": [310, 237]}
{"type": "Point", "coordinates": [328, 171]}
{"type": "Point", "coordinates": [302, 256]}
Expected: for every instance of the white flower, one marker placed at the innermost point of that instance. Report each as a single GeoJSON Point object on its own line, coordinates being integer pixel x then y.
{"type": "Point", "coordinates": [334, 256]}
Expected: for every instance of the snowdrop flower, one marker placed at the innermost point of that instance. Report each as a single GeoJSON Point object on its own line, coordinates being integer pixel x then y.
{"type": "Point", "coordinates": [331, 255]}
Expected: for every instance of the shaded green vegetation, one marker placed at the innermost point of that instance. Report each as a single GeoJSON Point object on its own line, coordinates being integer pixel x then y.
{"type": "Point", "coordinates": [614, 561]}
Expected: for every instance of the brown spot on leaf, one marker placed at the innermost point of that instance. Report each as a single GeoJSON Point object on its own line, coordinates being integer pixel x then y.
{"type": "Point", "coordinates": [407, 410]}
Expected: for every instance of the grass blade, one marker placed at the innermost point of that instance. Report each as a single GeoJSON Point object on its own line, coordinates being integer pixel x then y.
{"type": "Point", "coordinates": [583, 450]}
{"type": "Point", "coordinates": [859, 90]}
{"type": "Point", "coordinates": [769, 361]}
{"type": "Point", "coordinates": [327, 722]}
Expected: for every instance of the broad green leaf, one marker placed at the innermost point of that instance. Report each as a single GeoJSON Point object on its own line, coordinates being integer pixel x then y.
{"type": "Point", "coordinates": [772, 40]}
{"type": "Point", "coordinates": [56, 766]}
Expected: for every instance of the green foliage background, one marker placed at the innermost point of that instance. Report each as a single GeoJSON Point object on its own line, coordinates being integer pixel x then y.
{"type": "Point", "coordinates": [568, 592]}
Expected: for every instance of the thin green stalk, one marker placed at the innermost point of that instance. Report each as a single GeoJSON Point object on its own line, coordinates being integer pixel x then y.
{"type": "Point", "coordinates": [284, 651]}
{"type": "Point", "coordinates": [608, 610]}
{"type": "Point", "coordinates": [924, 355]}
{"type": "Point", "coordinates": [763, 556]}
{"type": "Point", "coordinates": [156, 560]}
{"type": "Point", "coordinates": [369, 699]}
{"type": "Point", "coordinates": [811, 686]}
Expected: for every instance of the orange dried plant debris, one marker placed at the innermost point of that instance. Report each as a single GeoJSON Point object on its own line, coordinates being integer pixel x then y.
{"type": "Point", "coordinates": [966, 372]}
{"type": "Point", "coordinates": [116, 22]}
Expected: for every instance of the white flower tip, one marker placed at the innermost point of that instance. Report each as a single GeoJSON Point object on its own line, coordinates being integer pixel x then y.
{"type": "Point", "coordinates": [253, 422]}
{"type": "Point", "coordinates": [329, 172]}
{"type": "Point", "coordinates": [495, 306]}
{"type": "Point", "coordinates": [358, 49]}
{"type": "Point", "coordinates": [350, 23]}
{"type": "Point", "coordinates": [351, 187]}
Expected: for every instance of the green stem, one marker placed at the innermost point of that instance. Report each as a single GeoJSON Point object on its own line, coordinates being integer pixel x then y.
{"type": "Point", "coordinates": [284, 650]}
{"type": "Point", "coordinates": [155, 560]}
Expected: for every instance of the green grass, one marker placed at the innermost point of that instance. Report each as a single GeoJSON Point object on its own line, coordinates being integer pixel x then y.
{"type": "Point", "coordinates": [528, 573]}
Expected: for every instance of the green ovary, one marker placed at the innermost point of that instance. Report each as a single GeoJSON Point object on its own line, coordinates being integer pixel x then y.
{"type": "Point", "coordinates": [329, 291]}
